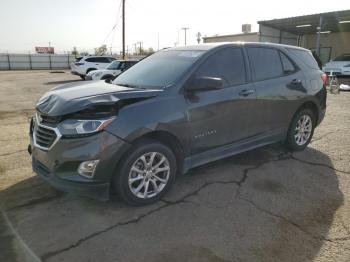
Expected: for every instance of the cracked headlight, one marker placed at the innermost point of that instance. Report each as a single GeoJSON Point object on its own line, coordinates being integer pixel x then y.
{"type": "Point", "coordinates": [72, 127]}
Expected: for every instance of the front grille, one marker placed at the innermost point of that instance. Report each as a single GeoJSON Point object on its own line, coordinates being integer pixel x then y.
{"type": "Point", "coordinates": [44, 137]}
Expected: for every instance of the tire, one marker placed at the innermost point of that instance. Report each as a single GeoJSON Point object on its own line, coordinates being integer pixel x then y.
{"type": "Point", "coordinates": [299, 140]}
{"type": "Point", "coordinates": [134, 192]}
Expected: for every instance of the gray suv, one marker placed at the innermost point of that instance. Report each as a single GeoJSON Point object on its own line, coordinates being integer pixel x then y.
{"type": "Point", "coordinates": [177, 109]}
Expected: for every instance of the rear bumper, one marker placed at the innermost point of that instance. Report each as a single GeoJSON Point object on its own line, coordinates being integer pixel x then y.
{"type": "Point", "coordinates": [58, 166]}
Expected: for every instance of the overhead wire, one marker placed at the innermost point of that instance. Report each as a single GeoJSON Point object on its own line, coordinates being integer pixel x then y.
{"type": "Point", "coordinates": [114, 26]}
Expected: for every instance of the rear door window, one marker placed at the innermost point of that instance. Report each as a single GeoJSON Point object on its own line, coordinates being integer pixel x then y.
{"type": "Point", "coordinates": [227, 64]}
{"type": "Point", "coordinates": [99, 59]}
{"type": "Point", "coordinates": [103, 59]}
{"type": "Point", "coordinates": [90, 59]}
{"type": "Point", "coordinates": [266, 62]}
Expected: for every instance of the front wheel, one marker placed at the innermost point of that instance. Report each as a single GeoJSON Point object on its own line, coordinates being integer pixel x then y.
{"type": "Point", "coordinates": [146, 173]}
{"type": "Point", "coordinates": [301, 130]}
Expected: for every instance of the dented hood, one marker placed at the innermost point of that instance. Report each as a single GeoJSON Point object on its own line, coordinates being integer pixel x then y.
{"type": "Point", "coordinates": [74, 97]}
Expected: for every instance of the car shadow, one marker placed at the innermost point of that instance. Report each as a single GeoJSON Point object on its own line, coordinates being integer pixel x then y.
{"type": "Point", "coordinates": [282, 209]}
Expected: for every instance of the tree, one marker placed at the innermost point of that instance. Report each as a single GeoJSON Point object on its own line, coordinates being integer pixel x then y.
{"type": "Point", "coordinates": [84, 53]}
{"type": "Point", "coordinates": [102, 50]}
{"type": "Point", "coordinates": [75, 52]}
{"type": "Point", "coordinates": [148, 51]}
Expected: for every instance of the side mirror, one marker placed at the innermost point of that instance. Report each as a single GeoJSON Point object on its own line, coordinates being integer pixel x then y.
{"type": "Point", "coordinates": [204, 83]}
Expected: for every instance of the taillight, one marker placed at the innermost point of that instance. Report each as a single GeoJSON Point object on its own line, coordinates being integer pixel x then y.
{"type": "Point", "coordinates": [78, 63]}
{"type": "Point", "coordinates": [324, 78]}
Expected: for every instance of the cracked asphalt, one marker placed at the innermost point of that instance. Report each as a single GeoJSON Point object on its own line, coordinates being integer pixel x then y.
{"type": "Point", "coordinates": [268, 204]}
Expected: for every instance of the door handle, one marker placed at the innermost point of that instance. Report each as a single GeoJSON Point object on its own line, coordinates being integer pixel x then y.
{"type": "Point", "coordinates": [246, 92]}
{"type": "Point", "coordinates": [295, 82]}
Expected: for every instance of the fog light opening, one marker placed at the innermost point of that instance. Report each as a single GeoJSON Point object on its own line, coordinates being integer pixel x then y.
{"type": "Point", "coordinates": [87, 168]}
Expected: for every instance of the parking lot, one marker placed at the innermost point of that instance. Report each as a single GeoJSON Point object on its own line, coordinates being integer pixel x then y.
{"type": "Point", "coordinates": [268, 204]}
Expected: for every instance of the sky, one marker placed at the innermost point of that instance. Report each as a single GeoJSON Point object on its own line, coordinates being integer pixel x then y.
{"type": "Point", "coordinates": [87, 24]}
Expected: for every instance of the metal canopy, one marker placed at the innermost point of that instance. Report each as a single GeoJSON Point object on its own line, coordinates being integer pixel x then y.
{"type": "Point", "coordinates": [308, 24]}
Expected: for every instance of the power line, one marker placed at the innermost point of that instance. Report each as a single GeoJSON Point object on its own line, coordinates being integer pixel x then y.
{"type": "Point", "coordinates": [123, 33]}
{"type": "Point", "coordinates": [116, 23]}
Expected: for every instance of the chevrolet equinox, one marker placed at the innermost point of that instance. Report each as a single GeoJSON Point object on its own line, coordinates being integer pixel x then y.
{"type": "Point", "coordinates": [176, 109]}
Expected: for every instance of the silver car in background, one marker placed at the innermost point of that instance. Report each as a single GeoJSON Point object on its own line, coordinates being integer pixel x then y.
{"type": "Point", "coordinates": [339, 65]}
{"type": "Point", "coordinates": [112, 70]}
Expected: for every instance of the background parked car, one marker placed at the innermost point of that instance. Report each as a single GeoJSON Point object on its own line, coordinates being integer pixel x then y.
{"type": "Point", "coordinates": [112, 70]}
{"type": "Point", "coordinates": [84, 65]}
{"type": "Point", "coordinates": [340, 65]}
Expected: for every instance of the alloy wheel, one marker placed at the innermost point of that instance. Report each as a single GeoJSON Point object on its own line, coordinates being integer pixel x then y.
{"type": "Point", "coordinates": [149, 175]}
{"type": "Point", "coordinates": [303, 130]}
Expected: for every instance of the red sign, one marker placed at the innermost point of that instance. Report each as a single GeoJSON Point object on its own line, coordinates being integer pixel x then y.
{"type": "Point", "coordinates": [44, 50]}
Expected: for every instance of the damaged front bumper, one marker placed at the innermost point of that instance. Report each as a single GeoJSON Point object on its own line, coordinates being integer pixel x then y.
{"type": "Point", "coordinates": [59, 165]}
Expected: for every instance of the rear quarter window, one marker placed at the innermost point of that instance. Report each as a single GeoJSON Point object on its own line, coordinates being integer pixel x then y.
{"type": "Point", "coordinates": [306, 57]}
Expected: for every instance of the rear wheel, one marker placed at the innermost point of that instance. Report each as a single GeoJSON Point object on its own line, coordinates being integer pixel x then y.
{"type": "Point", "coordinates": [301, 130]}
{"type": "Point", "coordinates": [146, 173]}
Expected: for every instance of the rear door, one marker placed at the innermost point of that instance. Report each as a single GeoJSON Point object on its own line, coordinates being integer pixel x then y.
{"type": "Point", "coordinates": [279, 84]}
{"type": "Point", "coordinates": [220, 117]}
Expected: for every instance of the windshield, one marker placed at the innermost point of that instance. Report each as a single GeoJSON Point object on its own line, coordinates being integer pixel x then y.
{"type": "Point", "coordinates": [159, 70]}
{"type": "Point", "coordinates": [114, 65]}
{"type": "Point", "coordinates": [345, 57]}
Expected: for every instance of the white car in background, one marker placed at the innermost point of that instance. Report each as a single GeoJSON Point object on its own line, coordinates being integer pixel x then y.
{"type": "Point", "coordinates": [339, 65]}
{"type": "Point", "coordinates": [112, 70]}
{"type": "Point", "coordinates": [84, 65]}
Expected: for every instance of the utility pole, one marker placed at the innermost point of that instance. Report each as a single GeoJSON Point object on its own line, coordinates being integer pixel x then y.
{"type": "Point", "coordinates": [140, 43]}
{"type": "Point", "coordinates": [123, 15]}
{"type": "Point", "coordinates": [158, 41]}
{"type": "Point", "coordinates": [199, 35]}
{"type": "Point", "coordinates": [185, 29]}
{"type": "Point", "coordinates": [318, 38]}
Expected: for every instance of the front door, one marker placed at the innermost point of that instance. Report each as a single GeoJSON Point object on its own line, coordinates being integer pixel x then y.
{"type": "Point", "coordinates": [221, 117]}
